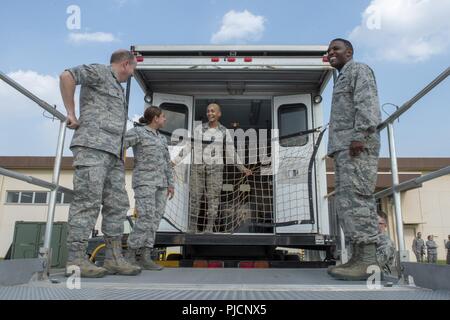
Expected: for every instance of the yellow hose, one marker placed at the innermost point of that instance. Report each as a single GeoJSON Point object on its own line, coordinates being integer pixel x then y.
{"type": "Point", "coordinates": [96, 250]}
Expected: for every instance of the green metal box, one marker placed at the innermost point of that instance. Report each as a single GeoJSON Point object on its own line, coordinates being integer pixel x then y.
{"type": "Point", "coordinates": [29, 237]}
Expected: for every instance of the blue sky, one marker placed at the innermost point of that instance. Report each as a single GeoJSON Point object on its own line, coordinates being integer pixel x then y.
{"type": "Point", "coordinates": [407, 46]}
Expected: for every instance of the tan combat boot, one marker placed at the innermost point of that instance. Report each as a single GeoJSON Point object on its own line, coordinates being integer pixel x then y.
{"type": "Point", "coordinates": [115, 263]}
{"type": "Point", "coordinates": [146, 261]}
{"type": "Point", "coordinates": [358, 271]}
{"type": "Point", "coordinates": [355, 257]}
{"type": "Point", "coordinates": [131, 255]}
{"type": "Point", "coordinates": [79, 259]}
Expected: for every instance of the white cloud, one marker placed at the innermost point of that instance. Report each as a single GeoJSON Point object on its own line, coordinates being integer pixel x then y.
{"type": "Point", "coordinates": [22, 121]}
{"type": "Point", "coordinates": [100, 37]}
{"type": "Point", "coordinates": [404, 30]}
{"type": "Point", "coordinates": [45, 87]}
{"type": "Point", "coordinates": [239, 27]}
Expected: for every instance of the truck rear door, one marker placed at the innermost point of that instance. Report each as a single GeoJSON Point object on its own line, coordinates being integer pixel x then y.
{"type": "Point", "coordinates": [292, 114]}
{"type": "Point", "coordinates": [178, 111]}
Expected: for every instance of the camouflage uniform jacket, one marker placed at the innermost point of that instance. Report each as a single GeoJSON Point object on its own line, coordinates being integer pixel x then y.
{"type": "Point", "coordinates": [151, 157]}
{"type": "Point", "coordinates": [418, 246]}
{"type": "Point", "coordinates": [207, 134]}
{"type": "Point", "coordinates": [431, 247]}
{"type": "Point", "coordinates": [385, 250]}
{"type": "Point", "coordinates": [355, 109]}
{"type": "Point", "coordinates": [103, 111]}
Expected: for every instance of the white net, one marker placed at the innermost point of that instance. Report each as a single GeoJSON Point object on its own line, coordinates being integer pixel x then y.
{"type": "Point", "coordinates": [220, 197]}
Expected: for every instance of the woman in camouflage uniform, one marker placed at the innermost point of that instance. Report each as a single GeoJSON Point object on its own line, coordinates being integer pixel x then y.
{"type": "Point", "coordinates": [152, 184]}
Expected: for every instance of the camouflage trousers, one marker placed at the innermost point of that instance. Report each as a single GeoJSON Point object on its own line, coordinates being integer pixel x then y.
{"type": "Point", "coordinates": [205, 180]}
{"type": "Point", "coordinates": [99, 183]}
{"type": "Point", "coordinates": [432, 257]}
{"type": "Point", "coordinates": [419, 256]}
{"type": "Point", "coordinates": [355, 179]}
{"type": "Point", "coordinates": [150, 207]}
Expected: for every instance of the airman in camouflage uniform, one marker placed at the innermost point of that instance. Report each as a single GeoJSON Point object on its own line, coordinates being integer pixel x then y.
{"type": "Point", "coordinates": [209, 169]}
{"type": "Point", "coordinates": [431, 250]}
{"type": "Point", "coordinates": [447, 246]}
{"type": "Point", "coordinates": [385, 246]}
{"type": "Point", "coordinates": [385, 252]}
{"type": "Point", "coordinates": [99, 177]}
{"type": "Point", "coordinates": [152, 182]}
{"type": "Point", "coordinates": [418, 247]}
{"type": "Point", "coordinates": [354, 144]}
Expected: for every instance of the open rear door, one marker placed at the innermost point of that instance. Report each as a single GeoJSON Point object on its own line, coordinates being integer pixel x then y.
{"type": "Point", "coordinates": [178, 111]}
{"type": "Point", "coordinates": [292, 114]}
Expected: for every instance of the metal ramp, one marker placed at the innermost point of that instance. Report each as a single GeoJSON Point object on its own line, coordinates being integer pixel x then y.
{"type": "Point", "coordinates": [218, 284]}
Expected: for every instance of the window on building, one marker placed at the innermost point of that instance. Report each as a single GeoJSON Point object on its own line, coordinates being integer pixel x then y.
{"type": "Point", "coordinates": [67, 198]}
{"type": "Point", "coordinates": [12, 197]}
{"type": "Point", "coordinates": [40, 197]}
{"type": "Point", "coordinates": [59, 196]}
{"type": "Point", "coordinates": [26, 197]}
{"type": "Point", "coordinates": [36, 197]}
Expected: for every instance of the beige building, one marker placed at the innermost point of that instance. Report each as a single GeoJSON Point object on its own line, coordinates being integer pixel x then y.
{"type": "Point", "coordinates": [21, 201]}
{"type": "Point", "coordinates": [425, 209]}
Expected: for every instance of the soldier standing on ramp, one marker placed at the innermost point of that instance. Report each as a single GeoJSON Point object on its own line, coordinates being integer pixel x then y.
{"type": "Point", "coordinates": [152, 184]}
{"type": "Point", "coordinates": [97, 144]}
{"type": "Point", "coordinates": [211, 173]}
{"type": "Point", "coordinates": [354, 145]}
{"type": "Point", "coordinates": [385, 246]}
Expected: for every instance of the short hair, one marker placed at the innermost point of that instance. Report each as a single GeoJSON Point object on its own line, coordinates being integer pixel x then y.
{"type": "Point", "coordinates": [216, 105]}
{"type": "Point", "coordinates": [121, 55]}
{"type": "Point", "coordinates": [382, 214]}
{"type": "Point", "coordinates": [347, 43]}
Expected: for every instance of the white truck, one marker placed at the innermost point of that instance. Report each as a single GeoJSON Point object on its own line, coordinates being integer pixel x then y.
{"type": "Point", "coordinates": [271, 89]}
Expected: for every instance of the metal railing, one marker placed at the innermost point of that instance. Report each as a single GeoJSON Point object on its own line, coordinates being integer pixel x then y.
{"type": "Point", "coordinates": [54, 187]}
{"type": "Point", "coordinates": [396, 186]}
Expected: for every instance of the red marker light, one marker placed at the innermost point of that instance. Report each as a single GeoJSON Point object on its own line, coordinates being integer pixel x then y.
{"type": "Point", "coordinates": [140, 59]}
{"type": "Point", "coordinates": [215, 59]}
{"type": "Point", "coordinates": [248, 59]}
{"type": "Point", "coordinates": [215, 264]}
{"type": "Point", "coordinates": [231, 59]}
{"type": "Point", "coordinates": [325, 58]}
{"type": "Point", "coordinates": [246, 264]}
